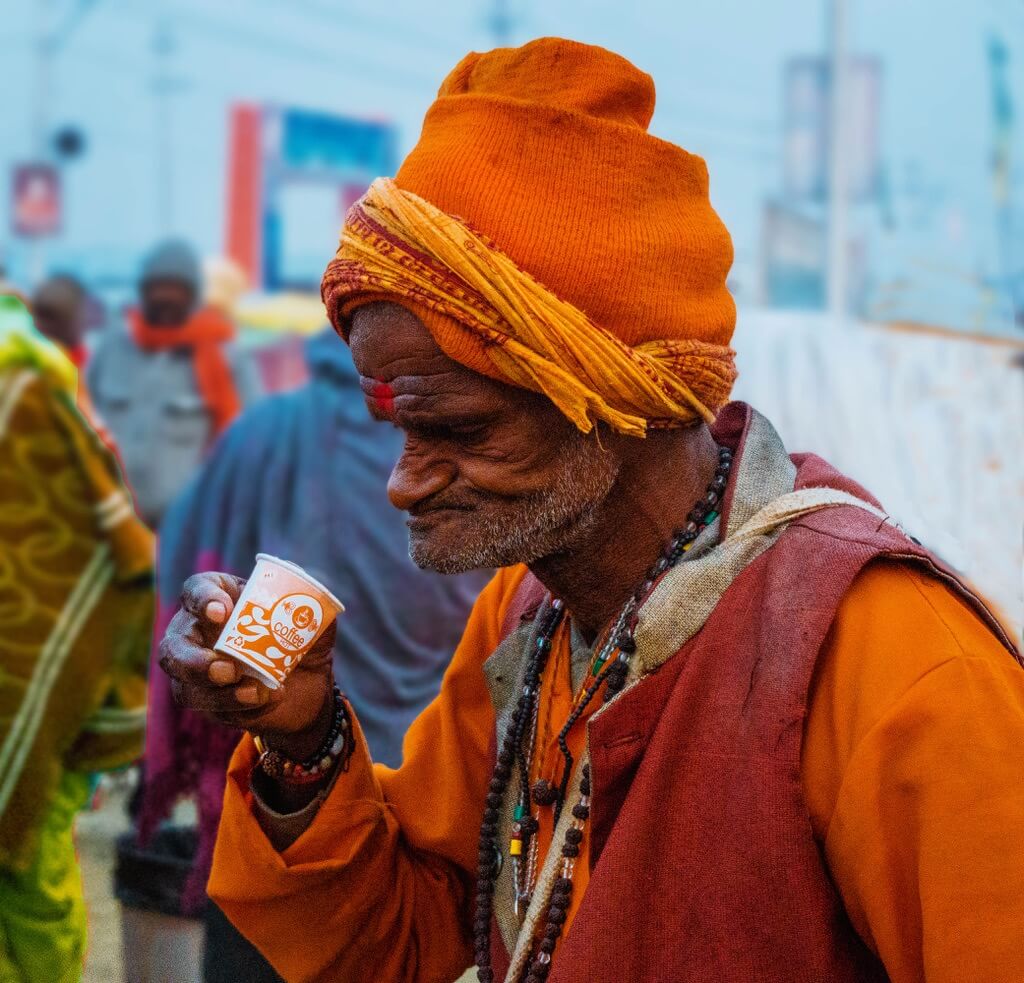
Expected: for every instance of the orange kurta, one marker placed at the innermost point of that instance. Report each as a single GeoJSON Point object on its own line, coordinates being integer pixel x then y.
{"type": "Point", "coordinates": [911, 772]}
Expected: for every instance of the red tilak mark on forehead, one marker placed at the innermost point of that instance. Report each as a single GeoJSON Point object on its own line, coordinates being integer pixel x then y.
{"type": "Point", "coordinates": [381, 395]}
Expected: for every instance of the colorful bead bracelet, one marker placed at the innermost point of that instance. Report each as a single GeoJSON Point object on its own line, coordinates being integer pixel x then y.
{"type": "Point", "coordinates": [334, 746]}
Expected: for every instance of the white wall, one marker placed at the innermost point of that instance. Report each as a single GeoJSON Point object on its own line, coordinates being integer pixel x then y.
{"type": "Point", "coordinates": [933, 426]}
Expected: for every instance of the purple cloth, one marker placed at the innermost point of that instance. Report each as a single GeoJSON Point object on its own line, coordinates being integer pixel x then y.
{"type": "Point", "coordinates": [321, 502]}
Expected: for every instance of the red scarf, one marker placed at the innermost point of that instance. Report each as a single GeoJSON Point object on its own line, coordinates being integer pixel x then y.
{"type": "Point", "coordinates": [206, 332]}
{"type": "Point", "coordinates": [78, 355]}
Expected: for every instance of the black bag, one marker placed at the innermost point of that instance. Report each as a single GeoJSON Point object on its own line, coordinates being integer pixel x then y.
{"type": "Point", "coordinates": [152, 878]}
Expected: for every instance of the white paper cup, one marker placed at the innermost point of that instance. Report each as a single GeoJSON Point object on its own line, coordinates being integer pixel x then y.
{"type": "Point", "coordinates": [281, 613]}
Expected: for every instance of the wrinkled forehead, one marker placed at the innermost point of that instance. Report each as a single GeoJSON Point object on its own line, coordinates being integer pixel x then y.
{"type": "Point", "coordinates": [398, 359]}
{"type": "Point", "coordinates": [388, 340]}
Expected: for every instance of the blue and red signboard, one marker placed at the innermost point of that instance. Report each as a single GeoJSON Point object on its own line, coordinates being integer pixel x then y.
{"type": "Point", "coordinates": [35, 200]}
{"type": "Point", "coordinates": [292, 175]}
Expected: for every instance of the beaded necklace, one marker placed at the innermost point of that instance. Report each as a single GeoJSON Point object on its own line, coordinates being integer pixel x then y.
{"type": "Point", "coordinates": [517, 754]}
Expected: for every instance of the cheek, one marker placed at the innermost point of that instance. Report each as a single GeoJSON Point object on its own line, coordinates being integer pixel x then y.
{"type": "Point", "coordinates": [511, 465]}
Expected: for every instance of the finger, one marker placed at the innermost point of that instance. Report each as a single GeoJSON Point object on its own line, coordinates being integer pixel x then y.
{"type": "Point", "coordinates": [219, 700]}
{"type": "Point", "coordinates": [217, 612]}
{"type": "Point", "coordinates": [184, 656]}
{"type": "Point", "coordinates": [182, 652]}
{"type": "Point", "coordinates": [211, 596]}
{"type": "Point", "coordinates": [250, 692]}
{"type": "Point", "coordinates": [224, 672]}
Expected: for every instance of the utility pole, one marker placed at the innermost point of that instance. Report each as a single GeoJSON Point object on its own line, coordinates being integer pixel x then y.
{"type": "Point", "coordinates": [1012, 259]}
{"type": "Point", "coordinates": [44, 49]}
{"type": "Point", "coordinates": [501, 23]}
{"type": "Point", "coordinates": [163, 47]}
{"type": "Point", "coordinates": [50, 39]}
{"type": "Point", "coordinates": [838, 176]}
{"type": "Point", "coordinates": [43, 80]}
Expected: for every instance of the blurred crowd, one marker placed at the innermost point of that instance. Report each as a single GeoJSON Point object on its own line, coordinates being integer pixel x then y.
{"type": "Point", "coordinates": [143, 444]}
{"type": "Point", "coordinates": [137, 448]}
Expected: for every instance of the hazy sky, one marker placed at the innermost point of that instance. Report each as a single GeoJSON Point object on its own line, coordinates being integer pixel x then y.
{"type": "Point", "coordinates": [717, 66]}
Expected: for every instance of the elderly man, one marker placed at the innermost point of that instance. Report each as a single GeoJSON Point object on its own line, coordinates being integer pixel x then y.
{"type": "Point", "coordinates": [716, 719]}
{"type": "Point", "coordinates": [169, 381]}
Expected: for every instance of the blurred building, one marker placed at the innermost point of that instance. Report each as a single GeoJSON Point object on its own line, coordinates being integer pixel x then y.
{"type": "Point", "coordinates": [292, 176]}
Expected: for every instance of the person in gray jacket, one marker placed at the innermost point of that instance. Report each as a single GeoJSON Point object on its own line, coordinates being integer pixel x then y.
{"type": "Point", "coordinates": [168, 380]}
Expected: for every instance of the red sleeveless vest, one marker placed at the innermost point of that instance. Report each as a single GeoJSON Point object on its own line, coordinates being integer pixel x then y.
{"type": "Point", "coordinates": [704, 867]}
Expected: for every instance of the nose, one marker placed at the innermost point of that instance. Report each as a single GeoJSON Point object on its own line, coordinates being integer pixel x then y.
{"type": "Point", "coordinates": [416, 476]}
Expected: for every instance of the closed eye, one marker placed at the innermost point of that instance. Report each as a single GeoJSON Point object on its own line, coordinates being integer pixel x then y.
{"type": "Point", "coordinates": [465, 433]}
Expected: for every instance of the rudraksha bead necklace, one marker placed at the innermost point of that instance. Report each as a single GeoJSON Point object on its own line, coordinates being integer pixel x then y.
{"type": "Point", "coordinates": [517, 754]}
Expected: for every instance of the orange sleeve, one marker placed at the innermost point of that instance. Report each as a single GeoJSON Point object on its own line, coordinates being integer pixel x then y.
{"type": "Point", "coordinates": [379, 887]}
{"type": "Point", "coordinates": [913, 773]}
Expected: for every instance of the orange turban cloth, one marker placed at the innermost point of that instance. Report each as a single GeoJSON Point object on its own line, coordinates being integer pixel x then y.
{"type": "Point", "coordinates": [546, 239]}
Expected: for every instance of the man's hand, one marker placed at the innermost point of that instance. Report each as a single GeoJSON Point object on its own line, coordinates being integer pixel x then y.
{"type": "Point", "coordinates": [295, 717]}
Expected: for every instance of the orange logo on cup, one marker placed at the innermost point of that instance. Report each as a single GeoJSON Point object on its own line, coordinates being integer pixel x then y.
{"type": "Point", "coordinates": [278, 638]}
{"type": "Point", "coordinates": [303, 616]}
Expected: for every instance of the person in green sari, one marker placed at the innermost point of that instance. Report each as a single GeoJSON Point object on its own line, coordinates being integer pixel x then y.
{"type": "Point", "coordinates": [76, 603]}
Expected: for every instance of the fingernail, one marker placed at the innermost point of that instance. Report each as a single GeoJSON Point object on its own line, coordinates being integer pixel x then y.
{"type": "Point", "coordinates": [222, 672]}
{"type": "Point", "coordinates": [216, 611]}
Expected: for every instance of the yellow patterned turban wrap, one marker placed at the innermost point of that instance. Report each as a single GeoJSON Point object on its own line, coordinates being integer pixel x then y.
{"type": "Point", "coordinates": [395, 245]}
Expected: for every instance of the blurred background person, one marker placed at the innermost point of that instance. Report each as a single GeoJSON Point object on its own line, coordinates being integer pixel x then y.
{"type": "Point", "coordinates": [74, 630]}
{"type": "Point", "coordinates": [225, 282]}
{"type": "Point", "coordinates": [58, 310]}
{"type": "Point", "coordinates": [170, 380]}
{"type": "Point", "coordinates": [302, 476]}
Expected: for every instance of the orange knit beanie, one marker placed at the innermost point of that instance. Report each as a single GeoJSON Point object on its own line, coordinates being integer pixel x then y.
{"type": "Point", "coordinates": [544, 150]}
